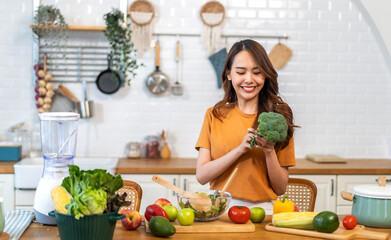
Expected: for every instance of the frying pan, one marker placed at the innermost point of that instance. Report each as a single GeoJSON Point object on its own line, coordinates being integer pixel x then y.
{"type": "Point", "coordinates": [108, 81]}
{"type": "Point", "coordinates": [157, 82]}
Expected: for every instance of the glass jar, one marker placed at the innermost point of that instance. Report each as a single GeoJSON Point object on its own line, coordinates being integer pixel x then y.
{"type": "Point", "coordinates": [134, 150]}
{"type": "Point", "coordinates": [152, 149]}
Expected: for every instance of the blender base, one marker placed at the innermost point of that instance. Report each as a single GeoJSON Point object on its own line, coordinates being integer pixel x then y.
{"type": "Point", "coordinates": [45, 219]}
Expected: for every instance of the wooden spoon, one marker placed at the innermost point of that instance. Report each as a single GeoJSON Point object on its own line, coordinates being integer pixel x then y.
{"type": "Point", "coordinates": [200, 202]}
{"type": "Point", "coordinates": [231, 177]}
{"type": "Point", "coordinates": [67, 93]}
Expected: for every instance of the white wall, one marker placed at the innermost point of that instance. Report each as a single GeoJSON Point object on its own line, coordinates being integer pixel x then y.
{"type": "Point", "coordinates": [337, 82]}
{"type": "Point", "coordinates": [379, 11]}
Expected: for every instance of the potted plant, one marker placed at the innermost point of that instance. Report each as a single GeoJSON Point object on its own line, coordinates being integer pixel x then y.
{"type": "Point", "coordinates": [118, 34]}
{"type": "Point", "coordinates": [50, 26]}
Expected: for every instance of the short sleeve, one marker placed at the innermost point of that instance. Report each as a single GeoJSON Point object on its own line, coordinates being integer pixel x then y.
{"type": "Point", "coordinates": [286, 156]}
{"type": "Point", "coordinates": [204, 137]}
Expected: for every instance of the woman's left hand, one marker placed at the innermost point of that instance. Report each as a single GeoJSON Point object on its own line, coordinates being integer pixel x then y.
{"type": "Point", "coordinates": [266, 146]}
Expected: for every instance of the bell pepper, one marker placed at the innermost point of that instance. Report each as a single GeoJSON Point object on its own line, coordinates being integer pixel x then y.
{"type": "Point", "coordinates": [154, 210]}
{"type": "Point", "coordinates": [283, 206]}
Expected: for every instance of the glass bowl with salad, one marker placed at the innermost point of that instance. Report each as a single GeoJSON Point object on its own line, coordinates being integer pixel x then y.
{"type": "Point", "coordinates": [219, 205]}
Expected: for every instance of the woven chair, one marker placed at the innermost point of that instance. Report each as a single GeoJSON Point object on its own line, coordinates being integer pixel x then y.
{"type": "Point", "coordinates": [302, 192]}
{"type": "Point", "coordinates": [134, 194]}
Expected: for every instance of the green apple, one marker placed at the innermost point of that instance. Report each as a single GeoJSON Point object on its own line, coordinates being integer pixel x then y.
{"type": "Point", "coordinates": [257, 214]}
{"type": "Point", "coordinates": [171, 211]}
{"type": "Point", "coordinates": [186, 216]}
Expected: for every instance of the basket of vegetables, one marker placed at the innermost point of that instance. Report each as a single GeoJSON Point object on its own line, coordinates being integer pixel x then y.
{"type": "Point", "coordinates": [87, 205]}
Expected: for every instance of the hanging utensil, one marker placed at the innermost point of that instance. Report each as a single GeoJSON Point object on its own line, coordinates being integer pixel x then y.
{"type": "Point", "coordinates": [84, 108]}
{"type": "Point", "coordinates": [157, 82]}
{"type": "Point", "coordinates": [199, 202]}
{"type": "Point", "coordinates": [177, 88]}
{"type": "Point", "coordinates": [108, 81]}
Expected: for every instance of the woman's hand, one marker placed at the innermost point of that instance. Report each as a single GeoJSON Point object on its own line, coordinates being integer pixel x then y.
{"type": "Point", "coordinates": [266, 146]}
{"type": "Point", "coordinates": [245, 145]}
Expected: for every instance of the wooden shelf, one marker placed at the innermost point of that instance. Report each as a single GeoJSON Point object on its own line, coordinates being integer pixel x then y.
{"type": "Point", "coordinates": [80, 28]}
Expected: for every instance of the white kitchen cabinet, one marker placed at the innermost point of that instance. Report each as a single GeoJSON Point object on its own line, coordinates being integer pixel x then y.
{"type": "Point", "coordinates": [7, 191]}
{"type": "Point", "coordinates": [346, 183]}
{"type": "Point", "coordinates": [326, 191]}
{"type": "Point", "coordinates": [189, 182]}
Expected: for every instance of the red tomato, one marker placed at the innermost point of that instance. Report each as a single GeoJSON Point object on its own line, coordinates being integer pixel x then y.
{"type": "Point", "coordinates": [239, 214]}
{"type": "Point", "coordinates": [349, 222]}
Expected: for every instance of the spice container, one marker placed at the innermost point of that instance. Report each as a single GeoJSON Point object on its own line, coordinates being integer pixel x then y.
{"type": "Point", "coordinates": [133, 150]}
{"type": "Point", "coordinates": [152, 146]}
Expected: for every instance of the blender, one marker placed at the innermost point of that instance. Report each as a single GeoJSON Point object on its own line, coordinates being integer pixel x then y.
{"type": "Point", "coordinates": [58, 139]}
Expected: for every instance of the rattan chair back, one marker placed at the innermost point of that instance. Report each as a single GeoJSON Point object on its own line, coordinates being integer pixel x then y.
{"type": "Point", "coordinates": [302, 192]}
{"type": "Point", "coordinates": [134, 194]}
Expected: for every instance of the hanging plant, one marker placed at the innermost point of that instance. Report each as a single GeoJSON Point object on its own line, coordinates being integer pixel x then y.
{"type": "Point", "coordinates": [50, 27]}
{"type": "Point", "coordinates": [118, 34]}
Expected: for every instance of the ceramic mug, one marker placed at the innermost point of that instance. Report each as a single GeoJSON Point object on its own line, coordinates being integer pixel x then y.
{"type": "Point", "coordinates": [2, 218]}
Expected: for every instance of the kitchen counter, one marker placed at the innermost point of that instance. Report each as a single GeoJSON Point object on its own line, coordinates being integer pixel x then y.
{"type": "Point", "coordinates": [36, 231]}
{"type": "Point", "coordinates": [303, 166]}
{"type": "Point", "coordinates": [7, 167]}
{"type": "Point", "coordinates": [188, 166]}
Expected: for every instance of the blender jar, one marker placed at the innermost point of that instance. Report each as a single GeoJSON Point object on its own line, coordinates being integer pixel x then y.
{"type": "Point", "coordinates": [58, 138]}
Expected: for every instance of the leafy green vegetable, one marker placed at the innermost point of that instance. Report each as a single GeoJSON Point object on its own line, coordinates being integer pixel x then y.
{"type": "Point", "coordinates": [90, 202]}
{"type": "Point", "coordinates": [92, 191]}
{"type": "Point", "coordinates": [272, 126]}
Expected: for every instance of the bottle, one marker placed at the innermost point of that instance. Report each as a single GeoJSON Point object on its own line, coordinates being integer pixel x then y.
{"type": "Point", "coordinates": [152, 147]}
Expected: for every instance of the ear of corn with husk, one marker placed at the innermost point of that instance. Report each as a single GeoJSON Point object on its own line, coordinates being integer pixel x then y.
{"type": "Point", "coordinates": [60, 198]}
{"type": "Point", "coordinates": [298, 220]}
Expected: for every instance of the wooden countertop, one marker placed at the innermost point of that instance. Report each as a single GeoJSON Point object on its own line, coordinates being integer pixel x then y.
{"type": "Point", "coordinates": [36, 231]}
{"type": "Point", "coordinates": [188, 166]}
{"type": "Point", "coordinates": [7, 167]}
{"type": "Point", "coordinates": [303, 166]}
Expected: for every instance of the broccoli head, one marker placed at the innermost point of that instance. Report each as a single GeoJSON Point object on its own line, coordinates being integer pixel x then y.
{"type": "Point", "coordinates": [272, 126]}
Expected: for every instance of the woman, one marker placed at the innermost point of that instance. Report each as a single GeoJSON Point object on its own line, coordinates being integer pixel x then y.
{"type": "Point", "coordinates": [250, 86]}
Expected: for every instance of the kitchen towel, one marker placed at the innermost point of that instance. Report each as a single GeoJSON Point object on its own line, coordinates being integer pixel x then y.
{"type": "Point", "coordinates": [218, 59]}
{"type": "Point", "coordinates": [16, 222]}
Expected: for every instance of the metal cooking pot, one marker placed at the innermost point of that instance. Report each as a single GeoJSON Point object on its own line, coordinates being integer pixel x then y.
{"type": "Point", "coordinates": [371, 204]}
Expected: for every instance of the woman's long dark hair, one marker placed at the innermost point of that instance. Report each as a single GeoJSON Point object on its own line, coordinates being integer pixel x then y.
{"type": "Point", "coordinates": [269, 99]}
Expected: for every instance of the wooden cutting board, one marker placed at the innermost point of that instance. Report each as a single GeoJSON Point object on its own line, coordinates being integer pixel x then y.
{"type": "Point", "coordinates": [223, 224]}
{"type": "Point", "coordinates": [341, 233]}
{"type": "Point", "coordinates": [325, 158]}
{"type": "Point", "coordinates": [280, 55]}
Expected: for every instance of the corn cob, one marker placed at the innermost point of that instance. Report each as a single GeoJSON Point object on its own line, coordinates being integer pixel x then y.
{"type": "Point", "coordinates": [298, 220]}
{"type": "Point", "coordinates": [60, 197]}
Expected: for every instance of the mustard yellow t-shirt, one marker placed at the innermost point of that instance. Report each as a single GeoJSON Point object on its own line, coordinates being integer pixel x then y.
{"type": "Point", "coordinates": [220, 137]}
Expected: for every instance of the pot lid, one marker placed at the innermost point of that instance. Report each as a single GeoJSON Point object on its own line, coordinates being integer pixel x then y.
{"type": "Point", "coordinates": [373, 191]}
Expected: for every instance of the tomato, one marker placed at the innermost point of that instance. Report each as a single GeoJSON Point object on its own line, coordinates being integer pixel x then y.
{"type": "Point", "coordinates": [239, 214]}
{"type": "Point", "coordinates": [186, 216]}
{"type": "Point", "coordinates": [349, 222]}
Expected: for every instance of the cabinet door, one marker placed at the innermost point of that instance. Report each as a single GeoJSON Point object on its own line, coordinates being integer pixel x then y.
{"type": "Point", "coordinates": [326, 191]}
{"type": "Point", "coordinates": [7, 191]}
{"type": "Point", "coordinates": [153, 191]}
{"type": "Point", "coordinates": [346, 183]}
{"type": "Point", "coordinates": [189, 183]}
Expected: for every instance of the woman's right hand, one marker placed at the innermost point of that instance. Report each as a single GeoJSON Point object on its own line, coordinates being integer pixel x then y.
{"type": "Point", "coordinates": [245, 145]}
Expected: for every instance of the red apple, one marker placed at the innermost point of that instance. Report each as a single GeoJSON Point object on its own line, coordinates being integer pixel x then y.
{"type": "Point", "coordinates": [132, 219]}
{"type": "Point", "coordinates": [163, 202]}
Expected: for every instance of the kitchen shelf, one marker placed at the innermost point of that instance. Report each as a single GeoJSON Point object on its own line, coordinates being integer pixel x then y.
{"type": "Point", "coordinates": [78, 28]}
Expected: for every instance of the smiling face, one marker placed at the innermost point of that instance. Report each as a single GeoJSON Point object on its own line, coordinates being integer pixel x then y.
{"type": "Point", "coordinates": [246, 77]}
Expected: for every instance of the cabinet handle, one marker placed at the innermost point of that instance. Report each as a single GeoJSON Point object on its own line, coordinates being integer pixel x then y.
{"type": "Point", "coordinates": [332, 187]}
{"type": "Point", "coordinates": [185, 184]}
{"type": "Point", "coordinates": [173, 182]}
{"type": "Point", "coordinates": [387, 180]}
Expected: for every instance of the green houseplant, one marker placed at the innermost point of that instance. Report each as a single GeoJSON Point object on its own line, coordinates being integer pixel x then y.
{"type": "Point", "coordinates": [118, 34]}
{"type": "Point", "coordinates": [50, 28]}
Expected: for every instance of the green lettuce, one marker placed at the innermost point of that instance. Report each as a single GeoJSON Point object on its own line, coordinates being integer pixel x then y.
{"type": "Point", "coordinates": [92, 190]}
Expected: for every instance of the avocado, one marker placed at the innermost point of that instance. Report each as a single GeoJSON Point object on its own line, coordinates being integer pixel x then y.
{"type": "Point", "coordinates": [326, 222]}
{"type": "Point", "coordinates": [161, 226]}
